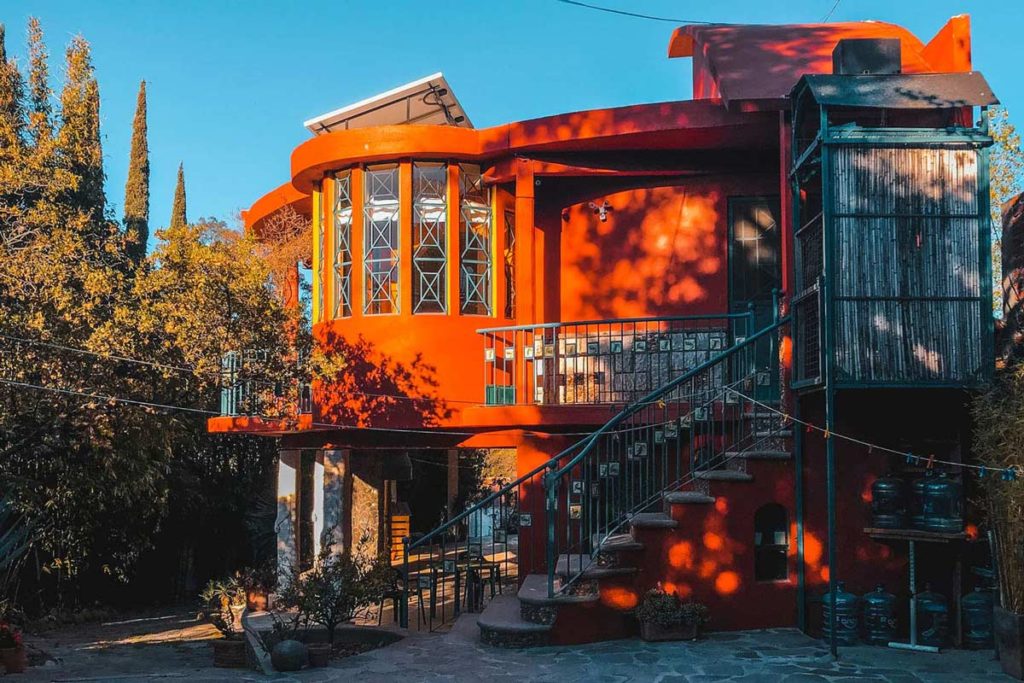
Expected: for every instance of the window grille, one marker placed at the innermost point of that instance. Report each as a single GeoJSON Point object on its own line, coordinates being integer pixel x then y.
{"type": "Point", "coordinates": [380, 240]}
{"type": "Point", "coordinates": [429, 238]}
{"type": "Point", "coordinates": [475, 243]}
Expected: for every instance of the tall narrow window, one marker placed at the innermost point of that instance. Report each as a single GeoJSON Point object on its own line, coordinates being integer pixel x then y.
{"type": "Point", "coordinates": [474, 243]}
{"type": "Point", "coordinates": [380, 240]}
{"type": "Point", "coordinates": [343, 245]}
{"type": "Point", "coordinates": [771, 543]}
{"type": "Point", "coordinates": [510, 263]}
{"type": "Point", "coordinates": [429, 238]}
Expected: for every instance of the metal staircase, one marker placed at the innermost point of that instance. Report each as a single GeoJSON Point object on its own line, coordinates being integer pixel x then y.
{"type": "Point", "coordinates": [667, 448]}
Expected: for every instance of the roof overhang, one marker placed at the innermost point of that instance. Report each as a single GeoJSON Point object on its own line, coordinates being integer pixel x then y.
{"type": "Point", "coordinates": [901, 91]}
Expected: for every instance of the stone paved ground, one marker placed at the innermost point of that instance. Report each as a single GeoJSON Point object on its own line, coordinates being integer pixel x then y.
{"type": "Point", "coordinates": [778, 655]}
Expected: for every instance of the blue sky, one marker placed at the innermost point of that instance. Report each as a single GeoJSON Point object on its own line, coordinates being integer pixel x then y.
{"type": "Point", "coordinates": [230, 82]}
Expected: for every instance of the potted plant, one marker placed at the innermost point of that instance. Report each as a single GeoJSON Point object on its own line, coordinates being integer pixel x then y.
{"type": "Point", "coordinates": [12, 649]}
{"type": "Point", "coordinates": [999, 446]}
{"type": "Point", "coordinates": [257, 582]}
{"type": "Point", "coordinates": [335, 591]}
{"type": "Point", "coordinates": [222, 603]}
{"type": "Point", "coordinates": [663, 616]}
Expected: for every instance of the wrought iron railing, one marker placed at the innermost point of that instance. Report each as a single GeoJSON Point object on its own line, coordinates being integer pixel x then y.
{"type": "Point", "coordinates": [704, 419]}
{"type": "Point", "coordinates": [564, 511]}
{"type": "Point", "coordinates": [601, 361]}
{"type": "Point", "coordinates": [246, 392]}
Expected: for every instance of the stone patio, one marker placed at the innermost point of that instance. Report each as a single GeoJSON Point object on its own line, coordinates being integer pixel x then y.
{"type": "Point", "coordinates": [178, 652]}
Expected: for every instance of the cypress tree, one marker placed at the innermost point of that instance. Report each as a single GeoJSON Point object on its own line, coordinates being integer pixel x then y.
{"type": "Point", "coordinates": [178, 217]}
{"type": "Point", "coordinates": [136, 188]}
{"type": "Point", "coordinates": [79, 139]}
{"type": "Point", "coordinates": [40, 112]}
{"type": "Point", "coordinates": [12, 111]}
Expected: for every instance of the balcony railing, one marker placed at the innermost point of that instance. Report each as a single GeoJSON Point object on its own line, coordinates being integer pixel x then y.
{"type": "Point", "coordinates": [601, 361]}
{"type": "Point", "coordinates": [245, 391]}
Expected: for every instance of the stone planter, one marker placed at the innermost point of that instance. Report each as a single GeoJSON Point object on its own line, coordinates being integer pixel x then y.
{"type": "Point", "coordinates": [256, 600]}
{"type": "Point", "coordinates": [652, 632]}
{"type": "Point", "coordinates": [1009, 637]}
{"type": "Point", "coordinates": [229, 653]}
{"type": "Point", "coordinates": [14, 659]}
{"type": "Point", "coordinates": [319, 654]}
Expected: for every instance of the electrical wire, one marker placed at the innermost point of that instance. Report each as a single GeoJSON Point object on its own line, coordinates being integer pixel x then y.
{"type": "Point", "coordinates": [635, 15]}
{"type": "Point", "coordinates": [829, 434]}
{"type": "Point", "coordinates": [109, 356]}
{"type": "Point", "coordinates": [829, 15]}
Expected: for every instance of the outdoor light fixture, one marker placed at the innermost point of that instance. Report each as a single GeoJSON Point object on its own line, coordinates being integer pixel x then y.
{"type": "Point", "coordinates": [601, 210]}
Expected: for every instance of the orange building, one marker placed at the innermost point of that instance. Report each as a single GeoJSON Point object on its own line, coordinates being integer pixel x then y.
{"type": "Point", "coordinates": [641, 301]}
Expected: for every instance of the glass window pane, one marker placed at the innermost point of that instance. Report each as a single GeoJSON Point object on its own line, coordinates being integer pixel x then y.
{"type": "Point", "coordinates": [429, 238]}
{"type": "Point", "coordinates": [380, 240]}
{"type": "Point", "coordinates": [474, 243]}
{"type": "Point", "coordinates": [343, 245]}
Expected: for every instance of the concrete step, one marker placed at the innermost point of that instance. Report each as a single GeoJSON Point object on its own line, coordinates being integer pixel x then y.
{"type": "Point", "coordinates": [619, 543]}
{"type": "Point", "coordinates": [534, 591]}
{"type": "Point", "coordinates": [723, 475]}
{"type": "Point", "coordinates": [502, 625]}
{"type": "Point", "coordinates": [570, 565]}
{"type": "Point", "coordinates": [688, 498]}
{"type": "Point", "coordinates": [759, 454]}
{"type": "Point", "coordinates": [774, 434]}
{"type": "Point", "coordinates": [652, 520]}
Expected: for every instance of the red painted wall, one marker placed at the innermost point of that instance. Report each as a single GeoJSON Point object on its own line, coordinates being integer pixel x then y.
{"type": "Point", "coordinates": [663, 249]}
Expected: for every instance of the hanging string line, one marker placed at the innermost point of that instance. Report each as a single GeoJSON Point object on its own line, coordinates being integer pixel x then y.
{"type": "Point", "coordinates": [931, 460]}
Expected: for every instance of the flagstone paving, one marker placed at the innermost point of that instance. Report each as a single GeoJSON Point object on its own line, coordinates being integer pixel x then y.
{"type": "Point", "coordinates": [770, 656]}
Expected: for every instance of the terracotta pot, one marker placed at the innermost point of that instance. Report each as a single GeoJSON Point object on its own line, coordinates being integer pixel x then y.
{"type": "Point", "coordinates": [319, 654]}
{"type": "Point", "coordinates": [229, 653]}
{"type": "Point", "coordinates": [14, 659]}
{"type": "Point", "coordinates": [652, 632]}
{"type": "Point", "coordinates": [1009, 636]}
{"type": "Point", "coordinates": [256, 600]}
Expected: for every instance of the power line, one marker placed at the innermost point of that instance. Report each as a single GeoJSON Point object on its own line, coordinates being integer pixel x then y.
{"type": "Point", "coordinates": [635, 15]}
{"type": "Point", "coordinates": [827, 16]}
{"type": "Point", "coordinates": [930, 460]}
{"type": "Point", "coordinates": [110, 356]}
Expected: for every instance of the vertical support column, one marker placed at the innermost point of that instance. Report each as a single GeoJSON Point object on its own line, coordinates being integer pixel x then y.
{"type": "Point", "coordinates": [330, 297]}
{"type": "Point", "coordinates": [286, 524]}
{"type": "Point", "coordinates": [405, 238]}
{"type": "Point", "coordinates": [337, 493]}
{"type": "Point", "coordinates": [318, 503]}
{"type": "Point", "coordinates": [453, 480]}
{"type": "Point", "coordinates": [454, 224]}
{"type": "Point", "coordinates": [358, 266]}
{"type": "Point", "coordinates": [317, 256]}
{"type": "Point", "coordinates": [526, 263]}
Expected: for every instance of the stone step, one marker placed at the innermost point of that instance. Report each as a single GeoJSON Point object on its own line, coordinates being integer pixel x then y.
{"type": "Point", "coordinates": [759, 454]}
{"type": "Point", "coordinates": [688, 498]}
{"type": "Point", "coordinates": [618, 543]}
{"type": "Point", "coordinates": [502, 625]}
{"type": "Point", "coordinates": [652, 520]}
{"type": "Point", "coordinates": [774, 434]}
{"type": "Point", "coordinates": [534, 591]}
{"type": "Point", "coordinates": [723, 475]}
{"type": "Point", "coordinates": [570, 566]}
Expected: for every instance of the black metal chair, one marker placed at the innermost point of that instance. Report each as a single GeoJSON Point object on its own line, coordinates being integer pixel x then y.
{"type": "Point", "coordinates": [400, 583]}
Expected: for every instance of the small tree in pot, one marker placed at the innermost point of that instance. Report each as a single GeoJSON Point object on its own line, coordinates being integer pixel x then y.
{"type": "Point", "coordinates": [257, 582]}
{"type": "Point", "coordinates": [663, 616]}
{"type": "Point", "coordinates": [222, 603]}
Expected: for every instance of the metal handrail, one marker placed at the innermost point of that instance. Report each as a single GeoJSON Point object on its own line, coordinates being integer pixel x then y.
{"type": "Point", "coordinates": [665, 389]}
{"type": "Point", "coordinates": [657, 318]}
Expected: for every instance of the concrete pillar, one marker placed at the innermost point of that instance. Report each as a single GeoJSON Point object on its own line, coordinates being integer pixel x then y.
{"type": "Point", "coordinates": [453, 481]}
{"type": "Point", "coordinates": [337, 492]}
{"type": "Point", "coordinates": [319, 512]}
{"type": "Point", "coordinates": [286, 523]}
{"type": "Point", "coordinates": [367, 504]}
